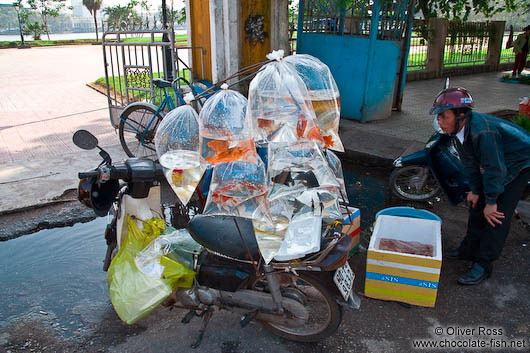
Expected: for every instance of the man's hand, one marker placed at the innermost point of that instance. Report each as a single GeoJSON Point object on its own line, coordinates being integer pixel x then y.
{"type": "Point", "coordinates": [472, 200]}
{"type": "Point", "coordinates": [492, 215]}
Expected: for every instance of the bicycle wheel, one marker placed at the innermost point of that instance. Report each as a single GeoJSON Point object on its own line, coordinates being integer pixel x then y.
{"type": "Point", "coordinates": [134, 139]}
{"type": "Point", "coordinates": [414, 182]}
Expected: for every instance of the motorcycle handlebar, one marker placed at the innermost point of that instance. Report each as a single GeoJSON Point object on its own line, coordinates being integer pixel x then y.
{"type": "Point", "coordinates": [92, 173]}
{"type": "Point", "coordinates": [124, 172]}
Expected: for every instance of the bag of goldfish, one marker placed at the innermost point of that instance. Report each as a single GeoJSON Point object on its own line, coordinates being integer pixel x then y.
{"type": "Point", "coordinates": [324, 96]}
{"type": "Point", "coordinates": [225, 129]}
{"type": "Point", "coordinates": [279, 105]}
{"type": "Point", "coordinates": [177, 147]}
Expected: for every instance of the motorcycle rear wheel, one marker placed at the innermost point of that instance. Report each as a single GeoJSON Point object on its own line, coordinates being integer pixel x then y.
{"type": "Point", "coordinates": [414, 183]}
{"type": "Point", "coordinates": [325, 314]}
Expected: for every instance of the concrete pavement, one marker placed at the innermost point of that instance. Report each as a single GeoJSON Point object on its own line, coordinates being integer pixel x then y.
{"type": "Point", "coordinates": [44, 99]}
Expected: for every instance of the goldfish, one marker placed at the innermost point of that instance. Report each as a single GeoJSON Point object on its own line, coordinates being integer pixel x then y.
{"type": "Point", "coordinates": [301, 125]}
{"type": "Point", "coordinates": [232, 154]}
{"type": "Point", "coordinates": [315, 134]}
{"type": "Point", "coordinates": [218, 146]}
{"type": "Point", "coordinates": [328, 140]}
{"type": "Point", "coordinates": [263, 123]}
{"type": "Point", "coordinates": [177, 176]}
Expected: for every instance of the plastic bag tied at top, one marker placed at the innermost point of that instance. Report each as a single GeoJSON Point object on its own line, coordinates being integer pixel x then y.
{"type": "Point", "coordinates": [225, 130]}
{"type": "Point", "coordinates": [133, 293]}
{"type": "Point", "coordinates": [177, 147]}
{"type": "Point", "coordinates": [301, 173]}
{"type": "Point", "coordinates": [237, 189]}
{"type": "Point", "coordinates": [324, 95]}
{"type": "Point", "coordinates": [279, 105]}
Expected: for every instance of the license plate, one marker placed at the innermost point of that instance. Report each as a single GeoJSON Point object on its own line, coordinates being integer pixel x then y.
{"type": "Point", "coordinates": [343, 279]}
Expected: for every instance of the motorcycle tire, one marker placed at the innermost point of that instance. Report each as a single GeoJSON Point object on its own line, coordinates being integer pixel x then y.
{"type": "Point", "coordinates": [406, 183]}
{"type": "Point", "coordinates": [310, 291]}
{"type": "Point", "coordinates": [133, 124]}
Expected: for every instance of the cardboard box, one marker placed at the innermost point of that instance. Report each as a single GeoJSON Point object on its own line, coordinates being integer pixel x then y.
{"type": "Point", "coordinates": [352, 226]}
{"type": "Point", "coordinates": [399, 276]}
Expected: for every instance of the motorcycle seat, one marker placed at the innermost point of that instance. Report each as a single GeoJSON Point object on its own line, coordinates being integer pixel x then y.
{"type": "Point", "coordinates": [220, 234]}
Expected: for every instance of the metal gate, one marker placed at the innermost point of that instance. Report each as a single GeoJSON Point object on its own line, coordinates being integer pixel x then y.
{"type": "Point", "coordinates": [365, 44]}
{"type": "Point", "coordinates": [133, 59]}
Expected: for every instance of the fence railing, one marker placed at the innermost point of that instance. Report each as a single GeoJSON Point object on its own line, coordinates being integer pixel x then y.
{"type": "Point", "coordinates": [466, 43]}
{"type": "Point", "coordinates": [418, 46]}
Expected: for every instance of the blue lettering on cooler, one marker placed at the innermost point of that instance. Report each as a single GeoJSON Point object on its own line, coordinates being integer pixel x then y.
{"type": "Point", "coordinates": [402, 280]}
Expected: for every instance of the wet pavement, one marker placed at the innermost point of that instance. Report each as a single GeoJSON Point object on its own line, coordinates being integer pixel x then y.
{"type": "Point", "coordinates": [57, 295]}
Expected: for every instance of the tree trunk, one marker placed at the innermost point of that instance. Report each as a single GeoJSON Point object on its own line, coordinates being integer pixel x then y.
{"type": "Point", "coordinates": [44, 20]}
{"type": "Point", "coordinates": [96, 24]}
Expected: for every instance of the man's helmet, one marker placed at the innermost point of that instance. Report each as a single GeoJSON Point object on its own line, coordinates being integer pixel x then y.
{"type": "Point", "coordinates": [98, 197]}
{"type": "Point", "coordinates": [451, 98]}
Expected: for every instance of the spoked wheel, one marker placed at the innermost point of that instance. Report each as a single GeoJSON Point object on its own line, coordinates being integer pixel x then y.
{"type": "Point", "coordinates": [324, 312]}
{"type": "Point", "coordinates": [135, 137]}
{"type": "Point", "coordinates": [414, 183]}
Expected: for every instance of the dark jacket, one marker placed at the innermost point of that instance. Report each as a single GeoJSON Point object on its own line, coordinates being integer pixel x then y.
{"type": "Point", "coordinates": [494, 153]}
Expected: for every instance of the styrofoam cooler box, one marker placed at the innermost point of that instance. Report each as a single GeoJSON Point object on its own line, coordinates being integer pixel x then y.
{"type": "Point", "coordinates": [399, 276]}
{"type": "Point", "coordinates": [352, 226]}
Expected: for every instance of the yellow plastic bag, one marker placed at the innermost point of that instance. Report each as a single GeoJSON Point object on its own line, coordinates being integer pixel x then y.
{"type": "Point", "coordinates": [133, 293]}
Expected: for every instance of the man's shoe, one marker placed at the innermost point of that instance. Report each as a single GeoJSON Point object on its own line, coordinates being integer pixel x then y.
{"type": "Point", "coordinates": [475, 275]}
{"type": "Point", "coordinates": [452, 254]}
{"type": "Point", "coordinates": [456, 255]}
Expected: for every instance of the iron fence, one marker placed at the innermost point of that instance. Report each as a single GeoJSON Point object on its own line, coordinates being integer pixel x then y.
{"type": "Point", "coordinates": [418, 46]}
{"type": "Point", "coordinates": [466, 43]}
{"type": "Point", "coordinates": [133, 59]}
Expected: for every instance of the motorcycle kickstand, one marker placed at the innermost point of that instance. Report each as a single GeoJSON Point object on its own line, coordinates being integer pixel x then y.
{"type": "Point", "coordinates": [206, 316]}
{"type": "Point", "coordinates": [245, 320]}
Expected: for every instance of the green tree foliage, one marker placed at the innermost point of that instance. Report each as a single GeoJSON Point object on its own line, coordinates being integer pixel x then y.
{"type": "Point", "coordinates": [122, 17]}
{"type": "Point", "coordinates": [461, 9]}
{"type": "Point", "coordinates": [174, 16]}
{"type": "Point", "coordinates": [34, 28]}
{"type": "Point", "coordinates": [47, 9]}
{"type": "Point", "coordinates": [93, 6]}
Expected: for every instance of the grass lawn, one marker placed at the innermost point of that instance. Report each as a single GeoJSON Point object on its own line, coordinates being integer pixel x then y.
{"type": "Point", "coordinates": [115, 83]}
{"type": "Point", "coordinates": [45, 43]}
{"type": "Point", "coordinates": [179, 39]}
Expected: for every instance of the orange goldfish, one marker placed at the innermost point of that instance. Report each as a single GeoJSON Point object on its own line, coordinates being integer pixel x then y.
{"type": "Point", "coordinates": [232, 154]}
{"type": "Point", "coordinates": [315, 134]}
{"type": "Point", "coordinates": [328, 140]}
{"type": "Point", "coordinates": [177, 176]}
{"type": "Point", "coordinates": [218, 145]}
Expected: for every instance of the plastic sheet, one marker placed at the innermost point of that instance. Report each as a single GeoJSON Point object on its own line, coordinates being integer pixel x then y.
{"type": "Point", "coordinates": [336, 166]}
{"type": "Point", "coordinates": [177, 147]}
{"type": "Point", "coordinates": [133, 293]}
{"type": "Point", "coordinates": [279, 105]}
{"type": "Point", "coordinates": [225, 130]}
{"type": "Point", "coordinates": [178, 245]}
{"type": "Point", "coordinates": [324, 95]}
{"type": "Point", "coordinates": [303, 237]}
{"type": "Point", "coordinates": [238, 189]}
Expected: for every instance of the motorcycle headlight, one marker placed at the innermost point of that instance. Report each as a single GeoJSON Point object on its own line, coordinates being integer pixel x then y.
{"type": "Point", "coordinates": [397, 163]}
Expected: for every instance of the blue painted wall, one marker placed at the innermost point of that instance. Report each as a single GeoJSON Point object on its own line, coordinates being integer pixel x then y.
{"type": "Point", "coordinates": [365, 75]}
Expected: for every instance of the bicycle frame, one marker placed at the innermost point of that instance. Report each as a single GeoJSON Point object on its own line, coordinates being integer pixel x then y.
{"type": "Point", "coordinates": [166, 102]}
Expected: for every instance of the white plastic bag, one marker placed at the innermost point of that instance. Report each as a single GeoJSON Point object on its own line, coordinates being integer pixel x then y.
{"type": "Point", "coordinates": [177, 147]}
{"type": "Point", "coordinates": [324, 95]}
{"type": "Point", "coordinates": [225, 130]}
{"type": "Point", "coordinates": [279, 105]}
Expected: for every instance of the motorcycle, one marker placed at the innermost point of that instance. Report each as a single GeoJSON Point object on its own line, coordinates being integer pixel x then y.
{"type": "Point", "coordinates": [422, 175]}
{"type": "Point", "coordinates": [300, 300]}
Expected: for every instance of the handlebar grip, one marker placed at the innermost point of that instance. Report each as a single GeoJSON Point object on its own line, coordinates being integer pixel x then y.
{"type": "Point", "coordinates": [92, 173]}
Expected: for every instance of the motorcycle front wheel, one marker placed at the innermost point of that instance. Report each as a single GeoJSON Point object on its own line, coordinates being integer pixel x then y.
{"type": "Point", "coordinates": [414, 183]}
{"type": "Point", "coordinates": [324, 313]}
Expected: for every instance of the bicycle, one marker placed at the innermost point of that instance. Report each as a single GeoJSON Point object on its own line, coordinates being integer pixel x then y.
{"type": "Point", "coordinates": [139, 121]}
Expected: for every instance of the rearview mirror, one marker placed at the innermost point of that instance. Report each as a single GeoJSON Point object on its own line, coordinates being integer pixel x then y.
{"type": "Point", "coordinates": [85, 140]}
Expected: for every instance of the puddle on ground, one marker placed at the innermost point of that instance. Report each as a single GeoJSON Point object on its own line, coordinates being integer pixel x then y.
{"type": "Point", "coordinates": [56, 274]}
{"type": "Point", "coordinates": [59, 271]}
{"type": "Point", "coordinates": [368, 191]}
